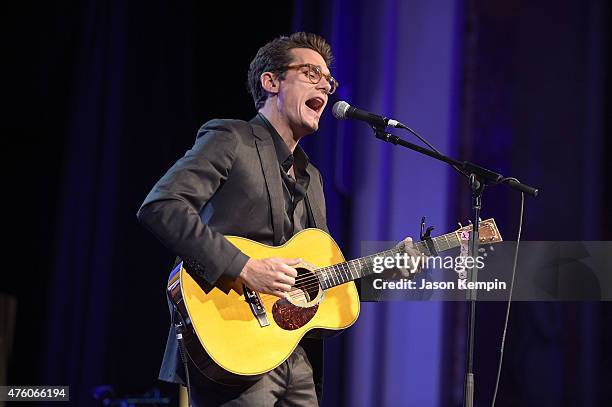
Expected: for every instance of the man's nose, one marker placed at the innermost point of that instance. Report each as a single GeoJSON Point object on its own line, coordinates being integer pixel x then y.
{"type": "Point", "coordinates": [324, 85]}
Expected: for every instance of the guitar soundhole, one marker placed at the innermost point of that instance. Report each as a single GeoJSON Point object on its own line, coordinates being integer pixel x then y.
{"type": "Point", "coordinates": [295, 314]}
{"type": "Point", "coordinates": [306, 287]}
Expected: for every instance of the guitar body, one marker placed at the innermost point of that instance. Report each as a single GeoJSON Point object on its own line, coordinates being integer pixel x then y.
{"type": "Point", "coordinates": [226, 324]}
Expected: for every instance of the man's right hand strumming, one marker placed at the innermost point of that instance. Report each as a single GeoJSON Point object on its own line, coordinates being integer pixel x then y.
{"type": "Point", "coordinates": [272, 275]}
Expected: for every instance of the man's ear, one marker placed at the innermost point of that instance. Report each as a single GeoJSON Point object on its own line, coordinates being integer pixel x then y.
{"type": "Point", "coordinates": [269, 82]}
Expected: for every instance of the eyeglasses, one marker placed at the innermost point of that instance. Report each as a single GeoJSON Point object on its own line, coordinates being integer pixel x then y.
{"type": "Point", "coordinates": [314, 75]}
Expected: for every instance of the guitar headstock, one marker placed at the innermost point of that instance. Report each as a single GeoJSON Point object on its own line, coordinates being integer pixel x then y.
{"type": "Point", "coordinates": [487, 232]}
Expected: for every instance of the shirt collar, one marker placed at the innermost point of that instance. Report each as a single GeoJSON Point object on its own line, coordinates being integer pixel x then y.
{"type": "Point", "coordinates": [285, 158]}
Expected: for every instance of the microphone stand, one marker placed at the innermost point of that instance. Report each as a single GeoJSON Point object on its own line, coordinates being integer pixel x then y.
{"type": "Point", "coordinates": [478, 178]}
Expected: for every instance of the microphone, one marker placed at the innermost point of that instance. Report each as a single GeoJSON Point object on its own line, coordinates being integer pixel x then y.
{"type": "Point", "coordinates": [343, 110]}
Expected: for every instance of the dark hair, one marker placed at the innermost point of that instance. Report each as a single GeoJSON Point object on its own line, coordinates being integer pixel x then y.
{"type": "Point", "coordinates": [275, 56]}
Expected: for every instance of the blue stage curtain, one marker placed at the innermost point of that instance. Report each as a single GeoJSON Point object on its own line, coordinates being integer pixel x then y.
{"type": "Point", "coordinates": [514, 86]}
{"type": "Point", "coordinates": [396, 58]}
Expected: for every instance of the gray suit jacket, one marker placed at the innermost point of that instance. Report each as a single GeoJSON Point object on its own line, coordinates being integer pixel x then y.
{"type": "Point", "coordinates": [229, 183]}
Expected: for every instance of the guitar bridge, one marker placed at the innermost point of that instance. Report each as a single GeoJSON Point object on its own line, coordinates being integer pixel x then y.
{"type": "Point", "coordinates": [254, 301]}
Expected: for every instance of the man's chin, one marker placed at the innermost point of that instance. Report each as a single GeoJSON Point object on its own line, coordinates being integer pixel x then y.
{"type": "Point", "coordinates": [313, 125]}
{"type": "Point", "coordinates": [309, 127]}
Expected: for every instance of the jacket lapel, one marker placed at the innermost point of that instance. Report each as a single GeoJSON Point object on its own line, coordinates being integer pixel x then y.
{"type": "Point", "coordinates": [314, 199]}
{"type": "Point", "coordinates": [269, 166]}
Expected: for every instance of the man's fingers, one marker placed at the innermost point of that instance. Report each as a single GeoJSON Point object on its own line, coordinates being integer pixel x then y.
{"type": "Point", "coordinates": [282, 287]}
{"type": "Point", "coordinates": [291, 262]}
{"type": "Point", "coordinates": [289, 271]}
{"type": "Point", "coordinates": [286, 279]}
{"type": "Point", "coordinates": [278, 293]}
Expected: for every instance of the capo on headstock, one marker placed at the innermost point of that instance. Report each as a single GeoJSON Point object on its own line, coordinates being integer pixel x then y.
{"type": "Point", "coordinates": [426, 237]}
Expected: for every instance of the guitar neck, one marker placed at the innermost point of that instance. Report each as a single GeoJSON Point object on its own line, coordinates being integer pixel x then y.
{"type": "Point", "coordinates": [341, 273]}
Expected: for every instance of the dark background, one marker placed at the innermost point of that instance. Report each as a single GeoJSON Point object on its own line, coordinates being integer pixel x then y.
{"type": "Point", "coordinates": [102, 97]}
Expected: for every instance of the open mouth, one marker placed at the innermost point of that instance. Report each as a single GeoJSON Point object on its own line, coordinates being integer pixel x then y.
{"type": "Point", "coordinates": [315, 104]}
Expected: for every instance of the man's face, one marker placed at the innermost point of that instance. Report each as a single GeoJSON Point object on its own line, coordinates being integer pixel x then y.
{"type": "Point", "coordinates": [299, 101]}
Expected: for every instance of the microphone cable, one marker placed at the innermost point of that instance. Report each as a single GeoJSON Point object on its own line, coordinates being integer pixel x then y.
{"type": "Point", "coordinates": [459, 170]}
{"type": "Point", "coordinates": [503, 341]}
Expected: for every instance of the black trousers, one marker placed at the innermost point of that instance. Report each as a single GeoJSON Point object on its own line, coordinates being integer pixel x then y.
{"type": "Point", "coordinates": [289, 385]}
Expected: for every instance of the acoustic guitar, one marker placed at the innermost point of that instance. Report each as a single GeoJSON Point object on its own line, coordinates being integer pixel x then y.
{"type": "Point", "coordinates": [247, 333]}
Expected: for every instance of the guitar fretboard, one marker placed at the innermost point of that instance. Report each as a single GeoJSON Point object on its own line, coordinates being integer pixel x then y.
{"type": "Point", "coordinates": [341, 273]}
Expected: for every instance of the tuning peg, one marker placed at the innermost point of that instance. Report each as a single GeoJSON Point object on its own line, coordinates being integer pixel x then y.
{"type": "Point", "coordinates": [460, 225]}
{"type": "Point", "coordinates": [470, 221]}
{"type": "Point", "coordinates": [479, 219]}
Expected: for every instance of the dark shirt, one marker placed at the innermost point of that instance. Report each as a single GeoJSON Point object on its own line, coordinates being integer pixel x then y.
{"type": "Point", "coordinates": [294, 191]}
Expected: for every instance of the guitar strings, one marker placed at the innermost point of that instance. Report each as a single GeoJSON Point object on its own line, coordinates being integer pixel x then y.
{"type": "Point", "coordinates": [344, 268]}
{"type": "Point", "coordinates": [340, 270]}
{"type": "Point", "coordinates": [419, 245]}
{"type": "Point", "coordinates": [337, 270]}
{"type": "Point", "coordinates": [311, 280]}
